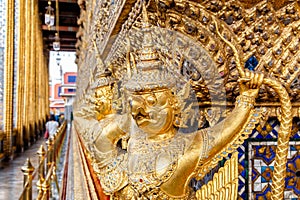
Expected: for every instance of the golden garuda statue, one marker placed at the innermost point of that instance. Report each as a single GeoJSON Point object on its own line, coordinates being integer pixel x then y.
{"type": "Point", "coordinates": [160, 159]}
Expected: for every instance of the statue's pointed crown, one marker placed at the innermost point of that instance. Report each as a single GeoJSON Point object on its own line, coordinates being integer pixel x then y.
{"type": "Point", "coordinates": [148, 52]}
{"type": "Point", "coordinates": [150, 71]}
{"type": "Point", "coordinates": [103, 78]}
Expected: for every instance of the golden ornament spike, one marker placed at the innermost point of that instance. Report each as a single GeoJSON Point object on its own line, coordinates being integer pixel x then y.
{"type": "Point", "coordinates": [148, 51]}
{"type": "Point", "coordinates": [98, 57]}
{"type": "Point", "coordinates": [128, 67]}
{"type": "Point", "coordinates": [145, 23]}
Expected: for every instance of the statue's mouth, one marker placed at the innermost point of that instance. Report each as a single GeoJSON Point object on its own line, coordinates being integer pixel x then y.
{"type": "Point", "coordinates": [140, 114]}
{"type": "Point", "coordinates": [141, 117]}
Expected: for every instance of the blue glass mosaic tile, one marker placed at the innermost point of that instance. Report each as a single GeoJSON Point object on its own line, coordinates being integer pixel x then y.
{"type": "Point", "coordinates": [251, 63]}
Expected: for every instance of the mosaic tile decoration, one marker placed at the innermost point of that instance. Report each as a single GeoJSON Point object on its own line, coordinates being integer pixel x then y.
{"type": "Point", "coordinates": [243, 171]}
{"type": "Point", "coordinates": [268, 131]}
{"type": "Point", "coordinates": [261, 165]}
{"type": "Point", "coordinates": [261, 169]}
{"type": "Point", "coordinates": [271, 128]}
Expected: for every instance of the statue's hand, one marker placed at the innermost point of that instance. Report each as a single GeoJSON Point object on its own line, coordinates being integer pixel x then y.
{"type": "Point", "coordinates": [250, 84]}
{"type": "Point", "coordinates": [114, 131]}
{"type": "Point", "coordinates": [124, 122]}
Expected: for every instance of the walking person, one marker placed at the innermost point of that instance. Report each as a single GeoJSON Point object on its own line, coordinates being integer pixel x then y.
{"type": "Point", "coordinates": [51, 126]}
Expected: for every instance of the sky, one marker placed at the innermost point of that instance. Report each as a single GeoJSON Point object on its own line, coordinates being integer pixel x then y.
{"type": "Point", "coordinates": [67, 62]}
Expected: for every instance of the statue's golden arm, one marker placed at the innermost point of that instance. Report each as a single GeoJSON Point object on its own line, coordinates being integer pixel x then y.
{"type": "Point", "coordinates": [106, 155]}
{"type": "Point", "coordinates": [227, 135]}
{"type": "Point", "coordinates": [224, 132]}
{"type": "Point", "coordinates": [209, 143]}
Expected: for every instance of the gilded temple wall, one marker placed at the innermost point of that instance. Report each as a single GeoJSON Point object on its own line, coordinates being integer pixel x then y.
{"type": "Point", "coordinates": [265, 35]}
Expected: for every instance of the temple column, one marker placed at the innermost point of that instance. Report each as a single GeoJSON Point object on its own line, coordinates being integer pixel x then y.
{"type": "Point", "coordinates": [39, 66]}
{"type": "Point", "coordinates": [27, 103]}
{"type": "Point", "coordinates": [46, 68]}
{"type": "Point", "coordinates": [21, 71]}
{"type": "Point", "coordinates": [33, 69]}
{"type": "Point", "coordinates": [8, 78]}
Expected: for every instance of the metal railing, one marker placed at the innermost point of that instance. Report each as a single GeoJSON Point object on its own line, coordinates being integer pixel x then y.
{"type": "Point", "coordinates": [46, 169]}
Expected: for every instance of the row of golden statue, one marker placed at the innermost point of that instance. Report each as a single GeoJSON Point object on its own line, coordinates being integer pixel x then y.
{"type": "Point", "coordinates": [142, 136]}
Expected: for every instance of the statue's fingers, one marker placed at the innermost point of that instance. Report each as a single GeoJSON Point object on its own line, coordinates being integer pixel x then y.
{"type": "Point", "coordinates": [257, 80]}
{"type": "Point", "coordinates": [243, 80]}
{"type": "Point", "coordinates": [260, 79]}
{"type": "Point", "coordinates": [248, 77]}
{"type": "Point", "coordinates": [252, 80]}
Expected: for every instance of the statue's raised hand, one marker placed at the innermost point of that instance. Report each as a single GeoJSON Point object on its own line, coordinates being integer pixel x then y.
{"type": "Point", "coordinates": [250, 84]}
{"type": "Point", "coordinates": [112, 132]}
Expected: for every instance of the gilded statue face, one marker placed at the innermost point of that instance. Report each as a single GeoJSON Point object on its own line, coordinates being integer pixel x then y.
{"type": "Point", "coordinates": [103, 98]}
{"type": "Point", "coordinates": [153, 111]}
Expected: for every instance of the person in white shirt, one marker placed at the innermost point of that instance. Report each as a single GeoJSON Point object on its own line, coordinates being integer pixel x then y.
{"type": "Point", "coordinates": [51, 126]}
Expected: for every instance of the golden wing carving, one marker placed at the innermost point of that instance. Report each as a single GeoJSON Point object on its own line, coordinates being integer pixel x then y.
{"type": "Point", "coordinates": [224, 184]}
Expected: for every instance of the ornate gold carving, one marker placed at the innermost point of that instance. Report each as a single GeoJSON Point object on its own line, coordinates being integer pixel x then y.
{"type": "Point", "coordinates": [224, 184]}
{"type": "Point", "coordinates": [160, 159]}
{"type": "Point", "coordinates": [99, 104]}
{"type": "Point", "coordinates": [238, 34]}
{"type": "Point", "coordinates": [210, 37]}
{"type": "Point", "coordinates": [283, 135]}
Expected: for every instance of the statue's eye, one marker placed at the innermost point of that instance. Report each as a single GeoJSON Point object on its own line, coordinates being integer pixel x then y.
{"type": "Point", "coordinates": [151, 100]}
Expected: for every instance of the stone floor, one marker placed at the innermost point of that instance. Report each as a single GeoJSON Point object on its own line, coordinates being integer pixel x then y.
{"type": "Point", "coordinates": [11, 176]}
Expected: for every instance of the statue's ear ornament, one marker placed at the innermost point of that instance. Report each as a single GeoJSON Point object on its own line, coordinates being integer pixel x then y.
{"type": "Point", "coordinates": [130, 59]}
